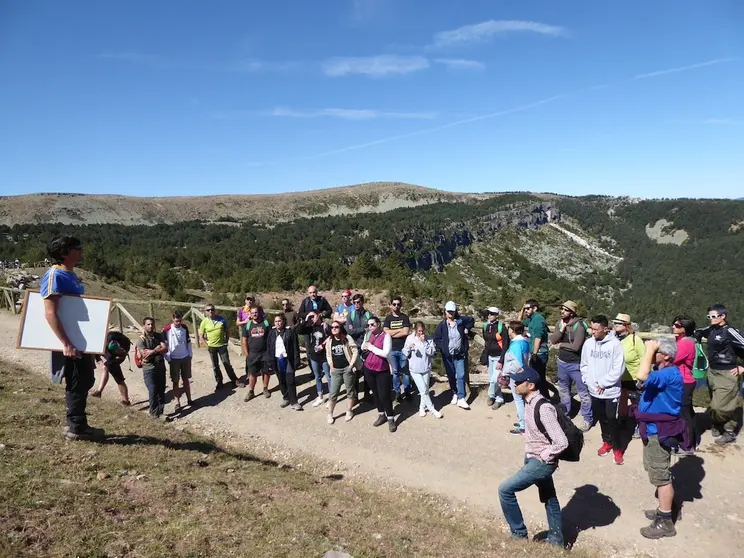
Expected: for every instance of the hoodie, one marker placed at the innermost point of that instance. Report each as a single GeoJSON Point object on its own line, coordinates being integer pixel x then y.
{"type": "Point", "coordinates": [419, 354]}
{"type": "Point", "coordinates": [178, 341]}
{"type": "Point", "coordinates": [602, 366]}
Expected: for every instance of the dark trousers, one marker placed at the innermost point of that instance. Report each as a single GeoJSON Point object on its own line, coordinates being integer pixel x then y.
{"type": "Point", "coordinates": [688, 414]}
{"type": "Point", "coordinates": [218, 354]}
{"type": "Point", "coordinates": [605, 412]}
{"type": "Point", "coordinates": [540, 364]}
{"type": "Point", "coordinates": [79, 379]}
{"type": "Point", "coordinates": [379, 382]}
{"type": "Point", "coordinates": [155, 383]}
{"type": "Point", "coordinates": [286, 375]}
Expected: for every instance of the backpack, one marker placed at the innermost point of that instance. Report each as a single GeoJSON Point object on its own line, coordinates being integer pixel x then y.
{"type": "Point", "coordinates": [116, 339]}
{"type": "Point", "coordinates": [700, 364]}
{"type": "Point", "coordinates": [499, 337]}
{"type": "Point", "coordinates": [574, 436]}
{"type": "Point", "coordinates": [367, 315]}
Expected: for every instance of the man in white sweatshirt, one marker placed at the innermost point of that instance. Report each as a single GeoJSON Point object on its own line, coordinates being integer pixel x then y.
{"type": "Point", "coordinates": [602, 366]}
{"type": "Point", "coordinates": [179, 356]}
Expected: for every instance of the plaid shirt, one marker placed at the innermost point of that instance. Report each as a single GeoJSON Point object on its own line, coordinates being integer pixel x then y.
{"type": "Point", "coordinates": [536, 444]}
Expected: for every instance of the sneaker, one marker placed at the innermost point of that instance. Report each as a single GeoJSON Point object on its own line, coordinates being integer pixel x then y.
{"type": "Point", "coordinates": [726, 438]}
{"type": "Point", "coordinates": [617, 455]}
{"type": "Point", "coordinates": [454, 400]}
{"type": "Point", "coordinates": [659, 528]}
{"type": "Point", "coordinates": [636, 433]}
{"type": "Point", "coordinates": [651, 514]}
{"type": "Point", "coordinates": [318, 401]}
{"type": "Point", "coordinates": [349, 416]}
{"type": "Point", "coordinates": [490, 401]}
{"type": "Point", "coordinates": [295, 407]}
{"type": "Point", "coordinates": [516, 431]}
{"type": "Point", "coordinates": [250, 396]}
{"type": "Point", "coordinates": [330, 419]}
{"type": "Point", "coordinates": [284, 403]}
{"type": "Point", "coordinates": [585, 426]}
{"type": "Point", "coordinates": [685, 453]}
{"type": "Point", "coordinates": [436, 414]}
{"type": "Point", "coordinates": [715, 431]}
{"type": "Point", "coordinates": [266, 393]}
{"type": "Point", "coordinates": [392, 427]}
{"type": "Point", "coordinates": [380, 420]}
{"type": "Point", "coordinates": [82, 436]}
{"type": "Point", "coordinates": [88, 434]}
{"type": "Point", "coordinates": [422, 412]}
{"type": "Point", "coordinates": [604, 449]}
{"type": "Point", "coordinates": [463, 404]}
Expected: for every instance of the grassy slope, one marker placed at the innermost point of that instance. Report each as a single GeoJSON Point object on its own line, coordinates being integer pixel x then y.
{"type": "Point", "coordinates": [151, 490]}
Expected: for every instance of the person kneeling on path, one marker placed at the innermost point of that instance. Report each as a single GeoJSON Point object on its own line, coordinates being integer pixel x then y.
{"type": "Point", "coordinates": [255, 346]}
{"type": "Point", "coordinates": [602, 367]}
{"type": "Point", "coordinates": [341, 354]}
{"type": "Point", "coordinates": [661, 429]}
{"type": "Point", "coordinates": [377, 372]}
{"type": "Point", "coordinates": [148, 355]}
{"type": "Point", "coordinates": [117, 349]}
{"type": "Point", "coordinates": [540, 460]}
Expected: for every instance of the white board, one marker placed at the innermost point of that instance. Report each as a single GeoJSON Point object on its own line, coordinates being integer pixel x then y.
{"type": "Point", "coordinates": [84, 318]}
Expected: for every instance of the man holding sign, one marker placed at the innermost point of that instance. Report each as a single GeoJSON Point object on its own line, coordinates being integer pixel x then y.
{"type": "Point", "coordinates": [76, 368]}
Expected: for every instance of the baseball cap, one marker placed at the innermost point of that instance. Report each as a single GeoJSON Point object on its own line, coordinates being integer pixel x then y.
{"type": "Point", "coordinates": [450, 307]}
{"type": "Point", "coordinates": [494, 310]}
{"type": "Point", "coordinates": [347, 292]}
{"type": "Point", "coordinates": [527, 375]}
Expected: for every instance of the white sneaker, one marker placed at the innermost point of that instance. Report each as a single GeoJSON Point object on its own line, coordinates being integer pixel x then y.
{"type": "Point", "coordinates": [463, 404]}
{"type": "Point", "coordinates": [318, 401]}
{"type": "Point", "coordinates": [328, 405]}
{"type": "Point", "coordinates": [436, 414]}
{"type": "Point", "coordinates": [349, 415]}
{"type": "Point", "coordinates": [330, 419]}
{"type": "Point", "coordinates": [454, 400]}
{"type": "Point", "coordinates": [422, 412]}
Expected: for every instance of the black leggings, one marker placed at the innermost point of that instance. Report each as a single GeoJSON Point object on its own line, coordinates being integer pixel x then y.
{"type": "Point", "coordinates": [605, 412]}
{"type": "Point", "coordinates": [379, 383]}
{"type": "Point", "coordinates": [688, 414]}
{"type": "Point", "coordinates": [287, 384]}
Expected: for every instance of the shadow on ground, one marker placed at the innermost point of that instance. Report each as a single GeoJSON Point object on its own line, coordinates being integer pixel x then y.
{"type": "Point", "coordinates": [587, 509]}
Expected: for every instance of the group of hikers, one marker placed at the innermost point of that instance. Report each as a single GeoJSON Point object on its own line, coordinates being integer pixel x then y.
{"type": "Point", "coordinates": [621, 381]}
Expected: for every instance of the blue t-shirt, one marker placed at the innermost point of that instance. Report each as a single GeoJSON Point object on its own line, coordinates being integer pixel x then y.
{"type": "Point", "coordinates": [662, 393]}
{"type": "Point", "coordinates": [58, 281]}
{"type": "Point", "coordinates": [344, 310]}
{"type": "Point", "coordinates": [515, 355]}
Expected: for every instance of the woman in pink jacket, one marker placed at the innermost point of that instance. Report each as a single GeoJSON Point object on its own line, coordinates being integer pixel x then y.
{"type": "Point", "coordinates": [683, 328]}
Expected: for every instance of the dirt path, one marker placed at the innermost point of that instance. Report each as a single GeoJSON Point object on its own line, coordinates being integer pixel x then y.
{"type": "Point", "coordinates": [465, 456]}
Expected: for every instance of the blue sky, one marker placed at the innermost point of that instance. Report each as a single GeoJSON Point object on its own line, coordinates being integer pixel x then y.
{"type": "Point", "coordinates": [184, 97]}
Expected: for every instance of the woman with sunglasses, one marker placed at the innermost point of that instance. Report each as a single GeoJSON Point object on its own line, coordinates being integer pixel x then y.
{"type": "Point", "coordinates": [341, 354]}
{"type": "Point", "coordinates": [419, 349]}
{"type": "Point", "coordinates": [377, 372]}
{"type": "Point", "coordinates": [683, 327]}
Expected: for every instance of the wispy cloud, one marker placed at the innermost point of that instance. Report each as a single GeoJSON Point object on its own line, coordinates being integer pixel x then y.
{"type": "Point", "coordinates": [480, 32]}
{"type": "Point", "coordinates": [460, 63]}
{"type": "Point", "coordinates": [376, 66]}
{"type": "Point", "coordinates": [685, 68]}
{"type": "Point", "coordinates": [351, 114]}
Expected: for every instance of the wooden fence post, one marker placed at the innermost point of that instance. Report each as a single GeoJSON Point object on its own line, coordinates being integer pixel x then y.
{"type": "Point", "coordinates": [151, 309]}
{"type": "Point", "coordinates": [118, 319]}
{"type": "Point", "coordinates": [196, 327]}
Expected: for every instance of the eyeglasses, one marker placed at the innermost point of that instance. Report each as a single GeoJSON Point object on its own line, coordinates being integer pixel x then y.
{"type": "Point", "coordinates": [677, 325]}
{"type": "Point", "coordinates": [564, 309]}
{"type": "Point", "coordinates": [209, 309]}
{"type": "Point", "coordinates": [713, 316]}
{"type": "Point", "coordinates": [335, 327]}
{"type": "Point", "coordinates": [397, 304]}
{"type": "Point", "coordinates": [312, 292]}
{"type": "Point", "coordinates": [357, 302]}
{"type": "Point", "coordinates": [371, 325]}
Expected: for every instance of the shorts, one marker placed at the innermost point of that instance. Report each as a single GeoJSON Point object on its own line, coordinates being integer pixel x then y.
{"type": "Point", "coordinates": [114, 368]}
{"type": "Point", "coordinates": [257, 367]}
{"type": "Point", "coordinates": [656, 461]}
{"type": "Point", "coordinates": [180, 368]}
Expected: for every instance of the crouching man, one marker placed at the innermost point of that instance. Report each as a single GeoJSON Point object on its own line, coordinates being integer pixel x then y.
{"type": "Point", "coordinates": [661, 429]}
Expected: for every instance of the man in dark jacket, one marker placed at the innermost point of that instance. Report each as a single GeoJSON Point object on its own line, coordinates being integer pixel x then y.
{"type": "Point", "coordinates": [496, 338]}
{"type": "Point", "coordinates": [284, 352]}
{"type": "Point", "coordinates": [356, 325]}
{"type": "Point", "coordinates": [452, 338]}
{"type": "Point", "coordinates": [725, 348]}
{"type": "Point", "coordinates": [313, 310]}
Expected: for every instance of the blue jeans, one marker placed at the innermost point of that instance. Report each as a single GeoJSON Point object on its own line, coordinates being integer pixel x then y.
{"type": "Point", "coordinates": [455, 368]}
{"type": "Point", "coordinates": [494, 391]}
{"type": "Point", "coordinates": [540, 474]}
{"type": "Point", "coordinates": [571, 372]}
{"type": "Point", "coordinates": [398, 362]}
{"type": "Point", "coordinates": [320, 369]}
{"type": "Point", "coordinates": [518, 403]}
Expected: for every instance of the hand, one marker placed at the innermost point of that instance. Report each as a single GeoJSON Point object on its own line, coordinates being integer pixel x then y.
{"type": "Point", "coordinates": [737, 371]}
{"type": "Point", "coordinates": [499, 366]}
{"type": "Point", "coordinates": [365, 346]}
{"type": "Point", "coordinates": [422, 337]}
{"type": "Point", "coordinates": [600, 390]}
{"type": "Point", "coordinates": [652, 345]}
{"type": "Point", "coordinates": [561, 325]}
{"type": "Point", "coordinates": [465, 330]}
{"type": "Point", "coordinates": [70, 351]}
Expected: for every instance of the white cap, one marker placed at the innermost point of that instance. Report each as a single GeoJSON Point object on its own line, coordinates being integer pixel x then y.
{"type": "Point", "coordinates": [450, 307]}
{"type": "Point", "coordinates": [494, 310]}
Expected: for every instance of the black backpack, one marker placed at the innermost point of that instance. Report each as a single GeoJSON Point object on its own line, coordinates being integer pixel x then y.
{"type": "Point", "coordinates": [574, 436]}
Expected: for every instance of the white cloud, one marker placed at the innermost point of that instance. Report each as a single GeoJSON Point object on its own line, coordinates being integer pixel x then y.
{"type": "Point", "coordinates": [685, 68]}
{"type": "Point", "coordinates": [461, 63]}
{"type": "Point", "coordinates": [376, 66]}
{"type": "Point", "coordinates": [350, 114]}
{"type": "Point", "coordinates": [479, 32]}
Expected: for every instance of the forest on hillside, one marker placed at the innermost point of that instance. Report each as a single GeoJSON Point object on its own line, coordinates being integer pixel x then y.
{"type": "Point", "coordinates": [385, 251]}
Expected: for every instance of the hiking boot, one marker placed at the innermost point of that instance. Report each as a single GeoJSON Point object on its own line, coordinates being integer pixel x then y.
{"type": "Point", "coordinates": [497, 405]}
{"type": "Point", "coordinates": [490, 401]}
{"type": "Point", "coordinates": [87, 434]}
{"type": "Point", "coordinates": [715, 431]}
{"type": "Point", "coordinates": [295, 407]}
{"type": "Point", "coordinates": [651, 515]}
{"type": "Point", "coordinates": [380, 420]}
{"type": "Point", "coordinates": [726, 438]}
{"type": "Point", "coordinates": [585, 426]}
{"type": "Point", "coordinates": [659, 528]}
{"type": "Point", "coordinates": [463, 404]}
{"type": "Point", "coordinates": [604, 449]}
{"type": "Point", "coordinates": [617, 455]}
{"type": "Point", "coordinates": [266, 393]}
{"type": "Point", "coordinates": [250, 396]}
{"type": "Point", "coordinates": [284, 403]}
{"type": "Point", "coordinates": [392, 427]}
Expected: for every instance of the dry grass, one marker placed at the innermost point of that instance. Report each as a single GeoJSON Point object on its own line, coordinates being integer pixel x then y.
{"type": "Point", "coordinates": [151, 490]}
